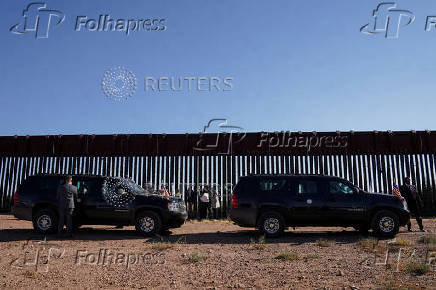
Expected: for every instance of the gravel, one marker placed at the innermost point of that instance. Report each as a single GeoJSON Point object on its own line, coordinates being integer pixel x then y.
{"type": "Point", "coordinates": [208, 255]}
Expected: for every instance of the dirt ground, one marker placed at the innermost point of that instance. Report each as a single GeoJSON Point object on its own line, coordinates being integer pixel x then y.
{"type": "Point", "coordinates": [215, 255]}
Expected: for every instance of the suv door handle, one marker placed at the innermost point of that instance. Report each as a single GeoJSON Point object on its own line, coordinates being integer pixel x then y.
{"type": "Point", "coordinates": [103, 206]}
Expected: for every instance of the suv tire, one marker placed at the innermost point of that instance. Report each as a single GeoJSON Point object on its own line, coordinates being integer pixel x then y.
{"type": "Point", "coordinates": [45, 221]}
{"type": "Point", "coordinates": [385, 223]}
{"type": "Point", "coordinates": [148, 223]}
{"type": "Point", "coordinates": [271, 224]}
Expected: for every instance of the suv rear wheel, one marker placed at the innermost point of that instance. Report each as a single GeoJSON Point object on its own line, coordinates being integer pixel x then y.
{"type": "Point", "coordinates": [385, 223]}
{"type": "Point", "coordinates": [148, 223]}
{"type": "Point", "coordinates": [271, 224]}
{"type": "Point", "coordinates": [45, 221]}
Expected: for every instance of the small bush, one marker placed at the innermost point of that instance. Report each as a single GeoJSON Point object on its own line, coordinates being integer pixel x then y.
{"type": "Point", "coordinates": [161, 246]}
{"type": "Point", "coordinates": [259, 244]}
{"type": "Point", "coordinates": [392, 284]}
{"type": "Point", "coordinates": [428, 240]}
{"type": "Point", "coordinates": [29, 274]}
{"type": "Point", "coordinates": [400, 243]}
{"type": "Point", "coordinates": [372, 245]}
{"type": "Point", "coordinates": [368, 243]}
{"type": "Point", "coordinates": [197, 257]}
{"type": "Point", "coordinates": [323, 243]}
{"type": "Point", "coordinates": [310, 257]}
{"type": "Point", "coordinates": [417, 269]}
{"type": "Point", "coordinates": [288, 256]}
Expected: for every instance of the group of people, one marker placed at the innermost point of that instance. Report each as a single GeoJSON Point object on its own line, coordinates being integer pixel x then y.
{"type": "Point", "coordinates": [208, 202]}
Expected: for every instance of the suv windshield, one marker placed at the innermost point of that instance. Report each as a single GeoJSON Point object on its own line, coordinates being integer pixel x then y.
{"type": "Point", "coordinates": [133, 187]}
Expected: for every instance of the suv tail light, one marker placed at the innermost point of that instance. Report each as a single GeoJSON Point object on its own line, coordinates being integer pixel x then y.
{"type": "Point", "coordinates": [15, 198]}
{"type": "Point", "coordinates": [234, 201]}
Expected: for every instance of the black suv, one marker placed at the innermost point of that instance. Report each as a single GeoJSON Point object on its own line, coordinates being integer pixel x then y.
{"type": "Point", "coordinates": [101, 200]}
{"type": "Point", "coordinates": [273, 202]}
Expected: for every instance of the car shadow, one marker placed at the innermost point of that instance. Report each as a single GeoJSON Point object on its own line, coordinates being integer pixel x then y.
{"type": "Point", "coordinates": [85, 234]}
{"type": "Point", "coordinates": [227, 237]}
{"type": "Point", "coordinates": [253, 236]}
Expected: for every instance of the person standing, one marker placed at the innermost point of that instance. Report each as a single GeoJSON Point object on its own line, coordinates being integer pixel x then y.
{"type": "Point", "coordinates": [413, 199]}
{"type": "Point", "coordinates": [66, 194]}
{"type": "Point", "coordinates": [204, 202]}
{"type": "Point", "coordinates": [190, 201]}
{"type": "Point", "coordinates": [214, 202]}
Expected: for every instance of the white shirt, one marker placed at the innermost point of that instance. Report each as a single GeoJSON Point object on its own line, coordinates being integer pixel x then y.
{"type": "Point", "coordinates": [205, 197]}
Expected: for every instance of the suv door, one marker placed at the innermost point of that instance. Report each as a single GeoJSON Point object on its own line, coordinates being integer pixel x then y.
{"type": "Point", "coordinates": [307, 202]}
{"type": "Point", "coordinates": [273, 192]}
{"type": "Point", "coordinates": [97, 208]}
{"type": "Point", "coordinates": [344, 204]}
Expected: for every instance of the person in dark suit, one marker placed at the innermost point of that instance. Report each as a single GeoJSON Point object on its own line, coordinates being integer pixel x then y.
{"type": "Point", "coordinates": [66, 194]}
{"type": "Point", "coordinates": [409, 192]}
{"type": "Point", "coordinates": [190, 199]}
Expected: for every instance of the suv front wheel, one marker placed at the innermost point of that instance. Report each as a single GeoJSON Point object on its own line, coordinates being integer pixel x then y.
{"type": "Point", "coordinates": [45, 221]}
{"type": "Point", "coordinates": [271, 224]}
{"type": "Point", "coordinates": [148, 223]}
{"type": "Point", "coordinates": [385, 223]}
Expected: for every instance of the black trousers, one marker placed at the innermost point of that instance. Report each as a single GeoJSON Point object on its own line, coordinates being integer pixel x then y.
{"type": "Point", "coordinates": [65, 216]}
{"type": "Point", "coordinates": [215, 212]}
{"type": "Point", "coordinates": [415, 211]}
{"type": "Point", "coordinates": [190, 208]}
{"type": "Point", "coordinates": [203, 209]}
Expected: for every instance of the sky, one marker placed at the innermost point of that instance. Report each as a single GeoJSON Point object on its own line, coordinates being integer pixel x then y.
{"type": "Point", "coordinates": [293, 65]}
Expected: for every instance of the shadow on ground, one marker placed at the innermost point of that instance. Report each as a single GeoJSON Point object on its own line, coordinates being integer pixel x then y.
{"type": "Point", "coordinates": [248, 236]}
{"type": "Point", "coordinates": [228, 237]}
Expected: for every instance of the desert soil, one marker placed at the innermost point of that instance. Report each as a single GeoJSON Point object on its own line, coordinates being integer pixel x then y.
{"type": "Point", "coordinates": [214, 255]}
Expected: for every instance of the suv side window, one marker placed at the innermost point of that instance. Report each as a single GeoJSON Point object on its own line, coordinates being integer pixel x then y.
{"type": "Point", "coordinates": [307, 187]}
{"type": "Point", "coordinates": [50, 184]}
{"type": "Point", "coordinates": [339, 187]}
{"type": "Point", "coordinates": [275, 184]}
{"type": "Point", "coordinates": [87, 186]}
